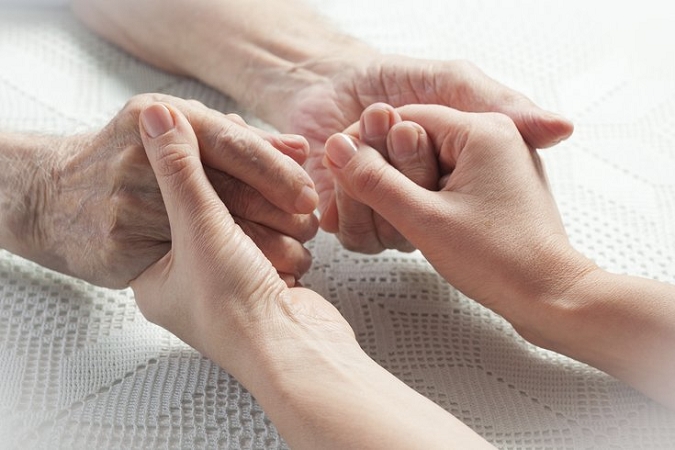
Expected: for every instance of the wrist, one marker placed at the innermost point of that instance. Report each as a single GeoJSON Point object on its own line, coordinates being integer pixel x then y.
{"type": "Point", "coordinates": [297, 327]}
{"type": "Point", "coordinates": [26, 185]}
{"type": "Point", "coordinates": [263, 71]}
{"type": "Point", "coordinates": [543, 306]}
{"type": "Point", "coordinates": [322, 390]}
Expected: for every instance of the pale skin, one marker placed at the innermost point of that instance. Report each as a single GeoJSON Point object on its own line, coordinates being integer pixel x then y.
{"type": "Point", "coordinates": [288, 346]}
{"type": "Point", "coordinates": [492, 229]}
{"type": "Point", "coordinates": [308, 78]}
{"type": "Point", "coordinates": [89, 205]}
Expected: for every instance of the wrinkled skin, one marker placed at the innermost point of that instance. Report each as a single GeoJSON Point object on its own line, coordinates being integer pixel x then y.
{"type": "Point", "coordinates": [349, 85]}
{"type": "Point", "coordinates": [103, 218]}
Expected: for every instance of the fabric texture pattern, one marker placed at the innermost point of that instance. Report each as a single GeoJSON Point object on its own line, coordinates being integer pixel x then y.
{"type": "Point", "coordinates": [80, 367]}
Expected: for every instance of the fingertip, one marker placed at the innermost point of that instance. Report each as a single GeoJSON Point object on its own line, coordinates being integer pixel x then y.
{"type": "Point", "coordinates": [307, 201]}
{"type": "Point", "coordinates": [559, 126]}
{"type": "Point", "coordinates": [288, 279]}
{"type": "Point", "coordinates": [545, 129]}
{"type": "Point", "coordinates": [340, 149]}
{"type": "Point", "coordinates": [329, 219]}
{"type": "Point", "coordinates": [156, 120]}
{"type": "Point", "coordinates": [375, 122]}
{"type": "Point", "coordinates": [404, 141]}
{"type": "Point", "coordinates": [294, 146]}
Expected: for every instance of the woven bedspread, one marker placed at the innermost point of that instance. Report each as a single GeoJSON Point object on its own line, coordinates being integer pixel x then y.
{"type": "Point", "coordinates": [80, 367]}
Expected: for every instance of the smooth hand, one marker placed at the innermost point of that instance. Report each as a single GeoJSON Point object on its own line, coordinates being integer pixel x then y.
{"type": "Point", "coordinates": [104, 219]}
{"type": "Point", "coordinates": [490, 226]}
{"type": "Point", "coordinates": [215, 288]}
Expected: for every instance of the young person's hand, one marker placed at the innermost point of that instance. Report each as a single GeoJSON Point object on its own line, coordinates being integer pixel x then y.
{"type": "Point", "coordinates": [288, 346]}
{"type": "Point", "coordinates": [490, 225]}
{"type": "Point", "coordinates": [492, 229]}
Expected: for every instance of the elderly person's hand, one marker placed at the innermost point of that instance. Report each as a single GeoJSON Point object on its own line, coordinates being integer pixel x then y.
{"type": "Point", "coordinates": [349, 83]}
{"type": "Point", "coordinates": [311, 79]}
{"type": "Point", "coordinates": [101, 216]}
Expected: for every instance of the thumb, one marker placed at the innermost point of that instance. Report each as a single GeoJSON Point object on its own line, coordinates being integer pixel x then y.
{"type": "Point", "coordinates": [173, 152]}
{"type": "Point", "coordinates": [368, 178]}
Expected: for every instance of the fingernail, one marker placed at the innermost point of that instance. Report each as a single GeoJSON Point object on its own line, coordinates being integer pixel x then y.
{"type": "Point", "coordinates": [340, 150]}
{"type": "Point", "coordinates": [307, 200]}
{"type": "Point", "coordinates": [405, 142]}
{"type": "Point", "coordinates": [157, 120]}
{"type": "Point", "coordinates": [376, 123]}
{"type": "Point", "coordinates": [294, 141]}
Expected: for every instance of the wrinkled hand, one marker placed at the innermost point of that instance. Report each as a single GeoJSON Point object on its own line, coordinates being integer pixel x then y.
{"type": "Point", "coordinates": [104, 219]}
{"type": "Point", "coordinates": [490, 227]}
{"type": "Point", "coordinates": [215, 289]}
{"type": "Point", "coordinates": [349, 85]}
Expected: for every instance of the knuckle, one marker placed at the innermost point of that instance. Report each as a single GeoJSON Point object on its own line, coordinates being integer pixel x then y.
{"type": "Point", "coordinates": [231, 140]}
{"type": "Point", "coordinates": [500, 126]}
{"type": "Point", "coordinates": [175, 161]}
{"type": "Point", "coordinates": [369, 178]}
{"type": "Point", "coordinates": [195, 104]}
{"type": "Point", "coordinates": [239, 198]}
{"type": "Point", "coordinates": [140, 101]}
{"type": "Point", "coordinates": [465, 65]}
{"type": "Point", "coordinates": [236, 118]}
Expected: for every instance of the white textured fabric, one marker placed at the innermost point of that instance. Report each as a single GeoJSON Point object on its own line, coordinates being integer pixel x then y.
{"type": "Point", "coordinates": [81, 368]}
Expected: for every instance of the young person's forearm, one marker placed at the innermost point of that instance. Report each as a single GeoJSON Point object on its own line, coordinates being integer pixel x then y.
{"type": "Point", "coordinates": [322, 391]}
{"type": "Point", "coordinates": [622, 325]}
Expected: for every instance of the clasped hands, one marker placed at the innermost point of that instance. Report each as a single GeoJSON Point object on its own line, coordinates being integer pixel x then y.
{"type": "Point", "coordinates": [480, 212]}
{"type": "Point", "coordinates": [102, 218]}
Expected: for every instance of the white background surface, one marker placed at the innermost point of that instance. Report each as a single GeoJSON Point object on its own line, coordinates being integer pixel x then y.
{"type": "Point", "coordinates": [81, 368]}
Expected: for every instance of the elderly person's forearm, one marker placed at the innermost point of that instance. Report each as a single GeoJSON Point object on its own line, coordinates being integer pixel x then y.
{"type": "Point", "coordinates": [25, 178]}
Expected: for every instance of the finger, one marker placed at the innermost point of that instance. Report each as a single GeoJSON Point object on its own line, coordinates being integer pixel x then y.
{"type": "Point", "coordinates": [368, 178]}
{"type": "Point", "coordinates": [248, 204]}
{"type": "Point", "coordinates": [285, 253]}
{"type": "Point", "coordinates": [389, 236]}
{"type": "Point", "coordinates": [356, 228]}
{"type": "Point", "coordinates": [173, 152]}
{"type": "Point", "coordinates": [329, 220]}
{"type": "Point", "coordinates": [467, 88]}
{"type": "Point", "coordinates": [289, 279]}
{"type": "Point", "coordinates": [451, 132]}
{"type": "Point", "coordinates": [374, 125]}
{"type": "Point", "coordinates": [240, 152]}
{"type": "Point", "coordinates": [292, 145]}
{"type": "Point", "coordinates": [411, 152]}
{"type": "Point", "coordinates": [446, 129]}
